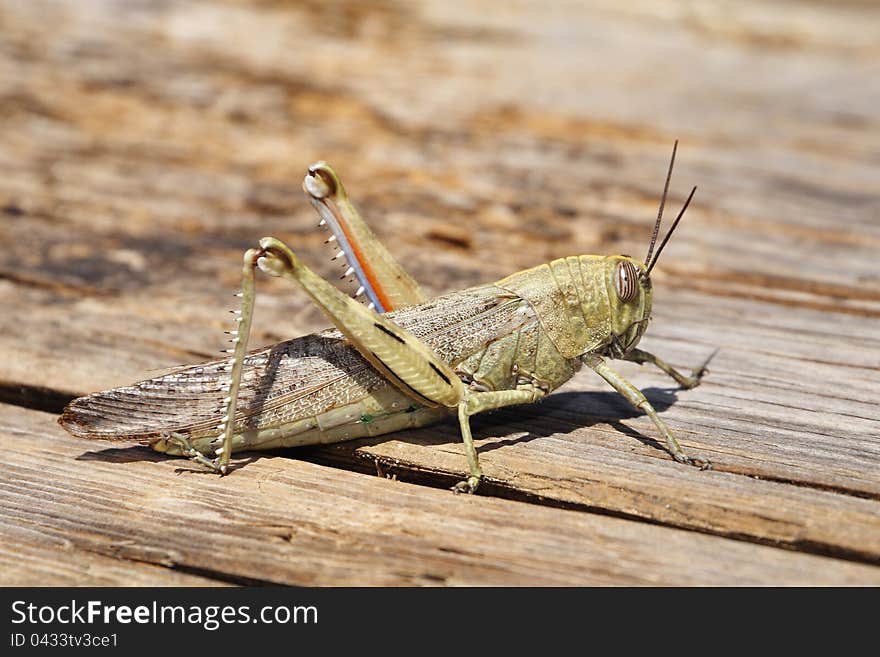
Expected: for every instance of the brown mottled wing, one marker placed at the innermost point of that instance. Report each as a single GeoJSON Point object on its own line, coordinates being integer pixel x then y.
{"type": "Point", "coordinates": [291, 380]}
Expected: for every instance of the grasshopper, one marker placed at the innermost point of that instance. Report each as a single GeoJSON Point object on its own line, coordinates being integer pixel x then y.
{"type": "Point", "coordinates": [395, 359]}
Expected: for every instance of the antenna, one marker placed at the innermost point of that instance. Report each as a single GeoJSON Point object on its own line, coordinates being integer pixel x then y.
{"type": "Point", "coordinates": [662, 204]}
{"type": "Point", "coordinates": [669, 234]}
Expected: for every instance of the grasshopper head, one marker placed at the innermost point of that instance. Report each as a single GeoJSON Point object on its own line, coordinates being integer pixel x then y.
{"type": "Point", "coordinates": [629, 283]}
{"type": "Point", "coordinates": [589, 304]}
{"type": "Point", "coordinates": [630, 294]}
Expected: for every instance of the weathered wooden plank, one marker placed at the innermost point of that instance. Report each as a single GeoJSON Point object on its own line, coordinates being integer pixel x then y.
{"type": "Point", "coordinates": [300, 523]}
{"type": "Point", "coordinates": [128, 194]}
{"type": "Point", "coordinates": [30, 557]}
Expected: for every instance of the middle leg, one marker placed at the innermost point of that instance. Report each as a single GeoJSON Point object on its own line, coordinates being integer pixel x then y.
{"type": "Point", "coordinates": [477, 402]}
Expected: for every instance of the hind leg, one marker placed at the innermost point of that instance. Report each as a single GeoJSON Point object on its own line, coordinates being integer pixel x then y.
{"type": "Point", "coordinates": [186, 449]}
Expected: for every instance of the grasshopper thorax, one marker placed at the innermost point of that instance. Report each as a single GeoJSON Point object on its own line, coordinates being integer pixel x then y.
{"type": "Point", "coordinates": [587, 303]}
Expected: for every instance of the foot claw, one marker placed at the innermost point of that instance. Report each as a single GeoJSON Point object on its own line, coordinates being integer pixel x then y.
{"type": "Point", "coordinates": [697, 374]}
{"type": "Point", "coordinates": [702, 464]}
{"type": "Point", "coordinates": [469, 486]}
{"type": "Point", "coordinates": [194, 455]}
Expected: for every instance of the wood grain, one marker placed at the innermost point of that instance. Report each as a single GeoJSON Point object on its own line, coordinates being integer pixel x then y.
{"type": "Point", "coordinates": [298, 523]}
{"type": "Point", "coordinates": [145, 147]}
{"type": "Point", "coordinates": [29, 557]}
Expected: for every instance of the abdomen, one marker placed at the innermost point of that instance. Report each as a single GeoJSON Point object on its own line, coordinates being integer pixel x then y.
{"type": "Point", "coordinates": [312, 389]}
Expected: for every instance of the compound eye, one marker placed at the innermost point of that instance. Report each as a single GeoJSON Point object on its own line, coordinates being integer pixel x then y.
{"type": "Point", "coordinates": [627, 281]}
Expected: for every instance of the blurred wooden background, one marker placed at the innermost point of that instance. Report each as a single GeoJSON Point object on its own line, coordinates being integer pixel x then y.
{"type": "Point", "coordinates": [144, 145]}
